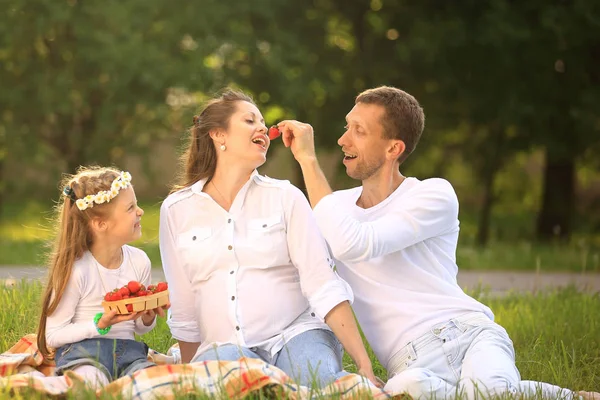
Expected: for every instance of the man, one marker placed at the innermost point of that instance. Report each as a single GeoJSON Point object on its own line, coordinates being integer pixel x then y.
{"type": "Point", "coordinates": [394, 239]}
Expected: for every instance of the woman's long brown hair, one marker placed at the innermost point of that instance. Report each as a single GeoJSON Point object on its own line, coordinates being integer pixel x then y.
{"type": "Point", "coordinates": [199, 159]}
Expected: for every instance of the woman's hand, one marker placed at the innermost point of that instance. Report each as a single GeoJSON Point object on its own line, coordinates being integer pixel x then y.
{"type": "Point", "coordinates": [367, 372]}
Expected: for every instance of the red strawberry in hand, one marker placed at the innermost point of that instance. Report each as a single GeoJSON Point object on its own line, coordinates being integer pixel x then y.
{"type": "Point", "coordinates": [134, 286]}
{"type": "Point", "coordinates": [129, 307]}
{"type": "Point", "coordinates": [274, 132]}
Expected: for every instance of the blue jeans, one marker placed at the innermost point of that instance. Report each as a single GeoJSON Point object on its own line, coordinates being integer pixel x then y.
{"type": "Point", "coordinates": [312, 357]}
{"type": "Point", "coordinates": [468, 356]}
{"type": "Point", "coordinates": [114, 357]}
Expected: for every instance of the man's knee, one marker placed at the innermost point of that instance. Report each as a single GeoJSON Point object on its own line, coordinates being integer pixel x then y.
{"type": "Point", "coordinates": [492, 385]}
{"type": "Point", "coordinates": [418, 382]}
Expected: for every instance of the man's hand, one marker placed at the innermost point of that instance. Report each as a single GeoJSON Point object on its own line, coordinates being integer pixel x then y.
{"type": "Point", "coordinates": [299, 137]}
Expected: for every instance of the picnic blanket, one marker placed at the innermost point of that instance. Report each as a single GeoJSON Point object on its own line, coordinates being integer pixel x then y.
{"type": "Point", "coordinates": [229, 379]}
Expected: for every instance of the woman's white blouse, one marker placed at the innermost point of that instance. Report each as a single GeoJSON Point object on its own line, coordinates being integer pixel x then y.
{"type": "Point", "coordinates": [255, 276]}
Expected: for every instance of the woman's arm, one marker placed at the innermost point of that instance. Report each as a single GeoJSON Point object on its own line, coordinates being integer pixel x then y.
{"type": "Point", "coordinates": [188, 349]}
{"type": "Point", "coordinates": [341, 321]}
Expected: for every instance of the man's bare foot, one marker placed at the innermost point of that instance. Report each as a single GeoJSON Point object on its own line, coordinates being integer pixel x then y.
{"type": "Point", "coordinates": [589, 395]}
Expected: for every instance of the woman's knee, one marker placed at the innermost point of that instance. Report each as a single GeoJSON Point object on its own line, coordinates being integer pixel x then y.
{"type": "Point", "coordinates": [226, 352]}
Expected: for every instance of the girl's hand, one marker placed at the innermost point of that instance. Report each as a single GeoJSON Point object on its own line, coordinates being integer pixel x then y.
{"type": "Point", "coordinates": [111, 317]}
{"type": "Point", "coordinates": [149, 315]}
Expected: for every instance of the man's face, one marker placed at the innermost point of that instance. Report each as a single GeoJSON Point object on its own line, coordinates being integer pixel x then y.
{"type": "Point", "coordinates": [362, 143]}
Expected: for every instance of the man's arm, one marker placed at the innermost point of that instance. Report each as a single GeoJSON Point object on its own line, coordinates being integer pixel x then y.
{"type": "Point", "coordinates": [428, 213]}
{"type": "Point", "coordinates": [300, 138]}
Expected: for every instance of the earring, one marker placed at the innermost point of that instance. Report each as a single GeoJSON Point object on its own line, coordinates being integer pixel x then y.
{"type": "Point", "coordinates": [223, 147]}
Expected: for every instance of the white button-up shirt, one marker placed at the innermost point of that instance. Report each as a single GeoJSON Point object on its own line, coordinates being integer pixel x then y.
{"type": "Point", "coordinates": [255, 276]}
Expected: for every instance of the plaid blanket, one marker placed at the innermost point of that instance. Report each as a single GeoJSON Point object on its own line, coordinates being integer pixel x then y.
{"type": "Point", "coordinates": [229, 379]}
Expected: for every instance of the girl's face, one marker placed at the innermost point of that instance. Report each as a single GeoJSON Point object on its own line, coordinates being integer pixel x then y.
{"type": "Point", "coordinates": [124, 224]}
{"type": "Point", "coordinates": [246, 137]}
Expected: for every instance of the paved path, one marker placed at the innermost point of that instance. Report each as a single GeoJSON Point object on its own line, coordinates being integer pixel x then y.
{"type": "Point", "coordinates": [497, 282]}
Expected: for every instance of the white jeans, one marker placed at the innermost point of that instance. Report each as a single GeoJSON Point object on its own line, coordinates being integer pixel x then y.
{"type": "Point", "coordinates": [468, 356]}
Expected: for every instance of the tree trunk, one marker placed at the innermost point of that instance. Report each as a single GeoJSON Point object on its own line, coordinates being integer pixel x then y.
{"type": "Point", "coordinates": [2, 187]}
{"type": "Point", "coordinates": [491, 167]}
{"type": "Point", "coordinates": [554, 219]}
{"type": "Point", "coordinates": [485, 214]}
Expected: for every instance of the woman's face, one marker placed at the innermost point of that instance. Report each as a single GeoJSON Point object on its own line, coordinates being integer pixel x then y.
{"type": "Point", "coordinates": [246, 138]}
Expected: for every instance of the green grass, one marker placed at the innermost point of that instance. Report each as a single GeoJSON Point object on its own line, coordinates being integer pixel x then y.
{"type": "Point", "coordinates": [25, 232]}
{"type": "Point", "coordinates": [556, 334]}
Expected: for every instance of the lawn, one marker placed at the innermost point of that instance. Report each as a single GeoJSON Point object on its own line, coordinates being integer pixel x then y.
{"type": "Point", "coordinates": [556, 334]}
{"type": "Point", "coordinates": [25, 232]}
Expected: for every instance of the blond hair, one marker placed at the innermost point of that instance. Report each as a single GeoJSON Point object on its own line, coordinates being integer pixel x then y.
{"type": "Point", "coordinates": [199, 160]}
{"type": "Point", "coordinates": [73, 236]}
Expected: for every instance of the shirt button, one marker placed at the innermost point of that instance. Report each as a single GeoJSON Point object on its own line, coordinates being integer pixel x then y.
{"type": "Point", "coordinates": [237, 328]}
{"type": "Point", "coordinates": [231, 273]}
{"type": "Point", "coordinates": [229, 247]}
{"type": "Point", "coordinates": [232, 297]}
{"type": "Point", "coordinates": [229, 221]}
{"type": "Point", "coordinates": [264, 225]}
{"type": "Point", "coordinates": [193, 237]}
{"type": "Point", "coordinates": [312, 314]}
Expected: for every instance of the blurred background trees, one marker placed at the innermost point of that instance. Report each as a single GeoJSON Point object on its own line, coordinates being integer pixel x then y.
{"type": "Point", "coordinates": [510, 90]}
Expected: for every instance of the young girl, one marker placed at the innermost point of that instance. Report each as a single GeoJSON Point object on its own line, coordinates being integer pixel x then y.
{"type": "Point", "coordinates": [98, 216]}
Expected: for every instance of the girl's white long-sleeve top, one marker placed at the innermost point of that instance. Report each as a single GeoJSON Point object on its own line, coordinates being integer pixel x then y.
{"type": "Point", "coordinates": [73, 319]}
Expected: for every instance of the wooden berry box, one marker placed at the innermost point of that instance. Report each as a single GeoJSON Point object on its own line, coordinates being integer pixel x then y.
{"type": "Point", "coordinates": [138, 303]}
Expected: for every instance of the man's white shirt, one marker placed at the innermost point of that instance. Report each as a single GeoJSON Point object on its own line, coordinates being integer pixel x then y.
{"type": "Point", "coordinates": [399, 257]}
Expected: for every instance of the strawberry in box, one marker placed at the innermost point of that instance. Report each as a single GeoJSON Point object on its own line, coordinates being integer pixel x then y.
{"type": "Point", "coordinates": [135, 297]}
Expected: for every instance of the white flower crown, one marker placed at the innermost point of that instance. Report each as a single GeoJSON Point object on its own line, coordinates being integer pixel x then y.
{"type": "Point", "coordinates": [123, 181]}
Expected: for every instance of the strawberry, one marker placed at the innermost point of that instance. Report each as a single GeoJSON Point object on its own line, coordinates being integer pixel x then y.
{"type": "Point", "coordinates": [274, 132]}
{"type": "Point", "coordinates": [162, 286]}
{"type": "Point", "coordinates": [142, 293]}
{"type": "Point", "coordinates": [116, 297]}
{"type": "Point", "coordinates": [125, 297]}
{"type": "Point", "coordinates": [124, 291]}
{"type": "Point", "coordinates": [151, 288]}
{"type": "Point", "coordinates": [129, 307]}
{"type": "Point", "coordinates": [108, 296]}
{"type": "Point", "coordinates": [134, 286]}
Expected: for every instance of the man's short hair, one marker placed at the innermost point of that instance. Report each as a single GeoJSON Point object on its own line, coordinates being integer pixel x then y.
{"type": "Point", "coordinates": [403, 118]}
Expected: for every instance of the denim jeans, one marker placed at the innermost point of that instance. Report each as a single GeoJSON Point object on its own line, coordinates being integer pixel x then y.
{"type": "Point", "coordinates": [312, 357]}
{"type": "Point", "coordinates": [468, 356]}
{"type": "Point", "coordinates": [114, 357]}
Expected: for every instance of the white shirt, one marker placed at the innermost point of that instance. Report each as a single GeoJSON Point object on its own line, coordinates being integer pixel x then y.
{"type": "Point", "coordinates": [73, 319]}
{"type": "Point", "coordinates": [399, 257]}
{"type": "Point", "coordinates": [255, 276]}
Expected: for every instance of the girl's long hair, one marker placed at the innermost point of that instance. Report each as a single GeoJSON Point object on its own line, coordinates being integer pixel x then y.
{"type": "Point", "coordinates": [73, 236]}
